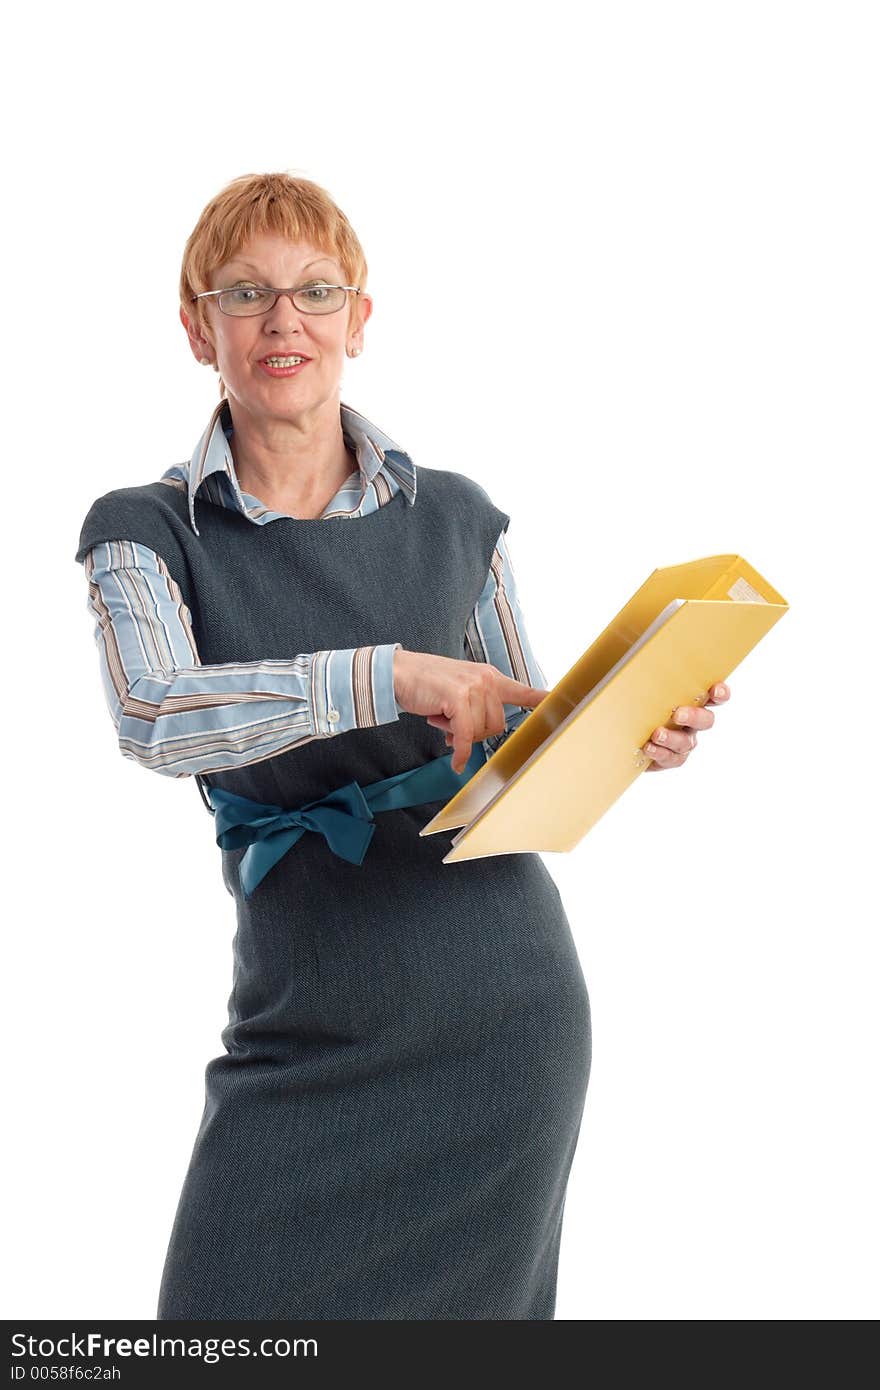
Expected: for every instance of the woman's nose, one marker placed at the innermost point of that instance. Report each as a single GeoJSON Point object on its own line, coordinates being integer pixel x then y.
{"type": "Point", "coordinates": [284, 312]}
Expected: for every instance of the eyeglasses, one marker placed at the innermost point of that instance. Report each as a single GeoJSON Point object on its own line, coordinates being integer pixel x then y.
{"type": "Point", "coordinates": [243, 300]}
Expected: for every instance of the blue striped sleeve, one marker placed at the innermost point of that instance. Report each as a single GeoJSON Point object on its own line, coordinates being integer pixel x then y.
{"type": "Point", "coordinates": [496, 633]}
{"type": "Point", "coordinates": [177, 717]}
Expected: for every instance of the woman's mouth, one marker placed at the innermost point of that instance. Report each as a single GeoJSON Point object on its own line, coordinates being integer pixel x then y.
{"type": "Point", "coordinates": [284, 366]}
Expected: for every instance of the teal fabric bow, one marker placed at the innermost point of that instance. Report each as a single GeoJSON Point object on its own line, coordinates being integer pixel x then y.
{"type": "Point", "coordinates": [344, 816]}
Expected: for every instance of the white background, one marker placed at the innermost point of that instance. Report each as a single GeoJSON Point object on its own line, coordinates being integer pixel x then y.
{"type": "Point", "coordinates": [625, 272]}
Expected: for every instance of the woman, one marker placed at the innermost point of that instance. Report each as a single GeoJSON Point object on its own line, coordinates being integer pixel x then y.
{"type": "Point", "coordinates": [306, 623]}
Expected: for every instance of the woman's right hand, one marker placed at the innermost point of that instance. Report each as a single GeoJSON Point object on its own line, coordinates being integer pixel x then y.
{"type": "Point", "coordinates": [465, 699]}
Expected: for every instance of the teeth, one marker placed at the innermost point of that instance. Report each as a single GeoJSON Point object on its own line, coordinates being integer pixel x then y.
{"type": "Point", "coordinates": [283, 361]}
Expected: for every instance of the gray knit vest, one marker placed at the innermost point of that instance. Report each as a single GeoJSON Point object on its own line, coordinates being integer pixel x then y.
{"type": "Point", "coordinates": [403, 573]}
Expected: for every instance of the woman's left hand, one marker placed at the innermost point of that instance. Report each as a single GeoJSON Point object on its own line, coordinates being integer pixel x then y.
{"type": "Point", "coordinates": [671, 747]}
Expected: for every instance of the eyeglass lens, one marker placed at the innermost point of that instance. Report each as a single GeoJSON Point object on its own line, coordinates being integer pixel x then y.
{"type": "Point", "coordinates": [251, 299]}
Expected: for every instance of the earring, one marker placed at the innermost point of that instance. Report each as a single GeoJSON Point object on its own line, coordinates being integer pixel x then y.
{"type": "Point", "coordinates": [355, 351]}
{"type": "Point", "coordinates": [205, 361]}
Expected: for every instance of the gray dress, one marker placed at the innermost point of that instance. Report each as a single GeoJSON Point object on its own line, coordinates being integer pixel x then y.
{"type": "Point", "coordinates": [389, 1131]}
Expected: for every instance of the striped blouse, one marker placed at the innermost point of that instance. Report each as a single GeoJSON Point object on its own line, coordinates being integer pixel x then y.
{"type": "Point", "coordinates": [180, 718]}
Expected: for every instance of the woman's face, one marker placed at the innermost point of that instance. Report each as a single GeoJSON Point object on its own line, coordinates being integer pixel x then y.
{"type": "Point", "coordinates": [240, 344]}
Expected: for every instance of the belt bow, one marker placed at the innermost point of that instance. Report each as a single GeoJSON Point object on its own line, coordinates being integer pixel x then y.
{"type": "Point", "coordinates": [344, 816]}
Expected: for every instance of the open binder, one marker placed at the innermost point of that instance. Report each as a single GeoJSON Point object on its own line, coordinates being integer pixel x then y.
{"type": "Point", "coordinates": [552, 779]}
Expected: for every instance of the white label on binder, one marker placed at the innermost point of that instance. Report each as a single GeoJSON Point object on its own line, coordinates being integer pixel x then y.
{"type": "Point", "coordinates": [743, 592]}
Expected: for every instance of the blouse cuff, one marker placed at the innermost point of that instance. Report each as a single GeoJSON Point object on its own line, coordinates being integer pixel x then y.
{"type": "Point", "coordinates": [353, 688]}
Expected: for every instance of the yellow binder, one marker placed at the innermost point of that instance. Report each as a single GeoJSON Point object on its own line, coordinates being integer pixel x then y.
{"type": "Point", "coordinates": [682, 632]}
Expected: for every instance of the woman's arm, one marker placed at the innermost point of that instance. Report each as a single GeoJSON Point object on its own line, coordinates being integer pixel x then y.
{"type": "Point", "coordinates": [178, 717]}
{"type": "Point", "coordinates": [496, 633]}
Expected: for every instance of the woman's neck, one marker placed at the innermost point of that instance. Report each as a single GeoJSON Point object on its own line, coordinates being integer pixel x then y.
{"type": "Point", "coordinates": [290, 473]}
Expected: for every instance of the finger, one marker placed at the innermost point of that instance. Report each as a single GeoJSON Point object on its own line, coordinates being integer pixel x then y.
{"type": "Point", "coordinates": [492, 730]}
{"type": "Point", "coordinates": [464, 724]}
{"type": "Point", "coordinates": [495, 722]}
{"type": "Point", "coordinates": [461, 751]}
{"type": "Point", "coordinates": [693, 717]}
{"type": "Point", "coordinates": [461, 748]}
{"type": "Point", "coordinates": [718, 694]}
{"type": "Point", "coordinates": [496, 719]}
{"type": "Point", "coordinates": [513, 692]}
{"type": "Point", "coordinates": [675, 740]}
{"type": "Point", "coordinates": [663, 757]}
{"type": "Point", "coordinates": [479, 712]}
{"type": "Point", "coordinates": [490, 726]}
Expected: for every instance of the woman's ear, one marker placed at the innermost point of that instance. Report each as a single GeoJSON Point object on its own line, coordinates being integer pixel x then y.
{"type": "Point", "coordinates": [201, 346]}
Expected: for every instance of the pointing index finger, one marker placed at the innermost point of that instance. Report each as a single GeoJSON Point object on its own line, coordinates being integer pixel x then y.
{"type": "Point", "coordinates": [514, 692]}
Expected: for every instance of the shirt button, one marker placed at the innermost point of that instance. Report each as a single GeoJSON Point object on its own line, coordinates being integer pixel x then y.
{"type": "Point", "coordinates": [333, 715]}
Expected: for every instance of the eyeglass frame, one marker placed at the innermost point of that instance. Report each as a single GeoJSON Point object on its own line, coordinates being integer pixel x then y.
{"type": "Point", "coordinates": [294, 289]}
